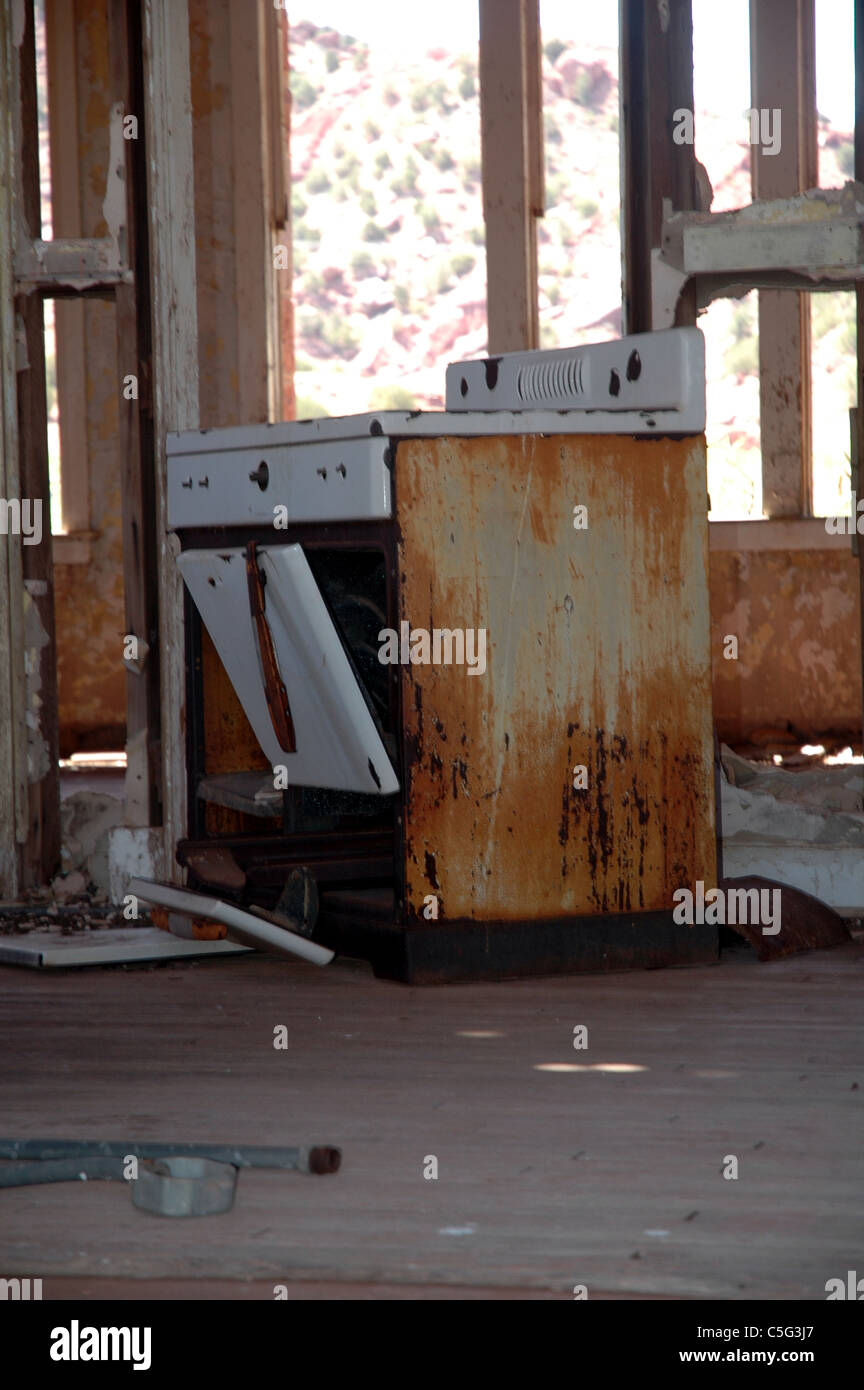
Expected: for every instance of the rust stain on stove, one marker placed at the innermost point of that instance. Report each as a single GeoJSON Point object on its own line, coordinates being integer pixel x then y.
{"type": "Point", "coordinates": [617, 681]}
{"type": "Point", "coordinates": [431, 874]}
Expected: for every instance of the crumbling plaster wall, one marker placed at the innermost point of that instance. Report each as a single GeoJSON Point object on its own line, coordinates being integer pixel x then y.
{"type": "Point", "coordinates": [796, 617]}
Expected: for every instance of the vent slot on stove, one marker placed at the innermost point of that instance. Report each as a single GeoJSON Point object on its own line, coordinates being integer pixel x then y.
{"type": "Point", "coordinates": [550, 382]}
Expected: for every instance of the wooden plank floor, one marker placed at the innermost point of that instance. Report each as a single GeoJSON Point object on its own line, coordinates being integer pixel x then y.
{"type": "Point", "coordinates": [546, 1178]}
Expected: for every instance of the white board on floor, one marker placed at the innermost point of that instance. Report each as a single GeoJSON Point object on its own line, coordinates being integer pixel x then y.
{"type": "Point", "coordinates": [115, 946]}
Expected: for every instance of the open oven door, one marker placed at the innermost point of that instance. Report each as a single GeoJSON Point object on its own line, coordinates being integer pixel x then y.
{"type": "Point", "coordinates": [277, 641]}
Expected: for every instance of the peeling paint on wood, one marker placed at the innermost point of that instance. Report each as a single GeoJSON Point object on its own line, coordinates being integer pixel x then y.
{"type": "Point", "coordinates": [35, 640]}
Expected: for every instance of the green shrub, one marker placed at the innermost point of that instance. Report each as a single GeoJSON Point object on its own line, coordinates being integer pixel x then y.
{"type": "Point", "coordinates": [834, 313]}
{"type": "Point", "coordinates": [553, 50]}
{"type": "Point", "coordinates": [332, 330]}
{"type": "Point", "coordinates": [552, 131]}
{"type": "Point", "coordinates": [443, 160]}
{"type": "Point", "coordinates": [847, 380]}
{"type": "Point", "coordinates": [382, 162]}
{"type": "Point", "coordinates": [299, 206]}
{"type": "Point", "coordinates": [440, 97]}
{"type": "Point", "coordinates": [587, 208]}
{"type": "Point", "coordinates": [429, 217]}
{"type": "Point", "coordinates": [402, 296]}
{"type": "Point", "coordinates": [478, 236]}
{"type": "Point", "coordinates": [467, 86]}
{"type": "Point", "coordinates": [556, 189]}
{"type": "Point", "coordinates": [348, 165]}
{"type": "Point", "coordinates": [310, 326]}
{"type": "Point", "coordinates": [371, 130]}
{"type": "Point", "coordinates": [462, 263]}
{"type": "Point", "coordinates": [420, 98]}
{"type": "Point", "coordinates": [426, 148]}
{"type": "Point", "coordinates": [406, 183]}
{"type": "Point", "coordinates": [590, 86]}
{"type": "Point", "coordinates": [362, 265]}
{"type": "Point", "coordinates": [368, 204]}
{"type": "Point", "coordinates": [392, 398]}
{"type": "Point", "coordinates": [339, 336]}
{"type": "Point", "coordinates": [742, 359]}
{"type": "Point", "coordinates": [303, 93]}
{"type": "Point", "coordinates": [440, 279]}
{"type": "Point", "coordinates": [847, 341]}
{"type": "Point", "coordinates": [317, 182]}
{"type": "Point", "coordinates": [332, 60]}
{"type": "Point", "coordinates": [308, 409]}
{"type": "Point", "coordinates": [472, 172]}
{"type": "Point", "coordinates": [742, 321]}
{"type": "Point", "coordinates": [581, 88]}
{"type": "Point", "coordinates": [372, 232]}
{"type": "Point", "coordinates": [391, 96]}
{"type": "Point", "coordinates": [303, 232]}
{"type": "Point", "coordinates": [361, 59]}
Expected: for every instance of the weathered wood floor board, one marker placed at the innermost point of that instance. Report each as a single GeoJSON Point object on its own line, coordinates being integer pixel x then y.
{"type": "Point", "coordinates": [546, 1178]}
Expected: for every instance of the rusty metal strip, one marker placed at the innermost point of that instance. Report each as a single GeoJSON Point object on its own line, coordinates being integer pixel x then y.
{"type": "Point", "coordinates": [274, 686]}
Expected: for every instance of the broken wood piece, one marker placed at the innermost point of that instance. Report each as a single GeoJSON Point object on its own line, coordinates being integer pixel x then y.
{"type": "Point", "coordinates": [251, 792]}
{"type": "Point", "coordinates": [217, 867]}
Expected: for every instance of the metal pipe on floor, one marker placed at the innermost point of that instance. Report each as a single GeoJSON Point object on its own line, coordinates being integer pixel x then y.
{"type": "Point", "coordinates": [315, 1159]}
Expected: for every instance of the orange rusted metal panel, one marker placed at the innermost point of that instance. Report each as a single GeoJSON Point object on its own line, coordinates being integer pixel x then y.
{"type": "Point", "coordinates": [229, 742]}
{"type": "Point", "coordinates": [598, 655]}
{"type": "Point", "coordinates": [202, 928]}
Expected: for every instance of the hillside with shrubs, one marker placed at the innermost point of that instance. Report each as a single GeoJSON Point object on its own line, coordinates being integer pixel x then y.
{"type": "Point", "coordinates": [388, 242]}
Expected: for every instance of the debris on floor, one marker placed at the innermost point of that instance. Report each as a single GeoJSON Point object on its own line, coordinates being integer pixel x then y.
{"type": "Point", "coordinates": [803, 829]}
{"type": "Point", "coordinates": [86, 817]}
{"type": "Point", "coordinates": [40, 933]}
{"type": "Point", "coordinates": [251, 927]}
{"type": "Point", "coordinates": [819, 805]}
{"type": "Point", "coordinates": [84, 915]}
{"type": "Point", "coordinates": [165, 1179]}
{"type": "Point", "coordinates": [807, 923]}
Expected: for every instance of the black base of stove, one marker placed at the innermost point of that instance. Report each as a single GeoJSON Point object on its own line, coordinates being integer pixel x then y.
{"type": "Point", "coordinates": [361, 924]}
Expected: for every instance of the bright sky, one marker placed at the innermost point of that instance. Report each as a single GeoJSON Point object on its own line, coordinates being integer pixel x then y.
{"type": "Point", "coordinates": [722, 69]}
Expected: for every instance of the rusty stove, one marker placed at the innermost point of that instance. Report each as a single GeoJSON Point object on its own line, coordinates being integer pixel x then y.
{"type": "Point", "coordinates": [343, 579]}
